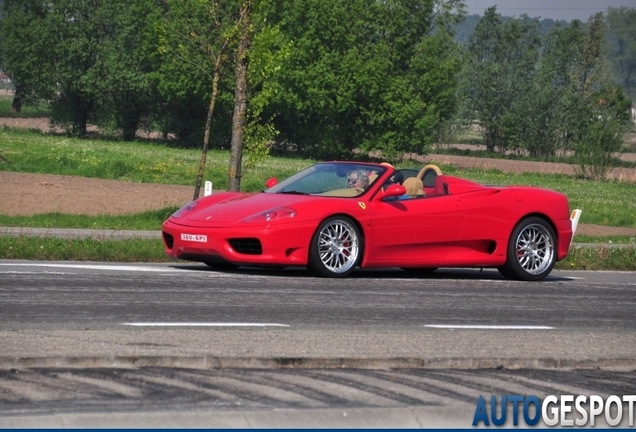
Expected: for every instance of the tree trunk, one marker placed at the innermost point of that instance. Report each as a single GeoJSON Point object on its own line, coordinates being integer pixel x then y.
{"type": "Point", "coordinates": [208, 124]}
{"type": "Point", "coordinates": [16, 104]}
{"type": "Point", "coordinates": [240, 99]}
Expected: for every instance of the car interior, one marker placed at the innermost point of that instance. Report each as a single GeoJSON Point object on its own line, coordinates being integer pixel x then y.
{"type": "Point", "coordinates": [427, 182]}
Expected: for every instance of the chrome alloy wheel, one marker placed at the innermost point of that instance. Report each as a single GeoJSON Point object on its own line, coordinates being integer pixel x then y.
{"type": "Point", "coordinates": [535, 249]}
{"type": "Point", "coordinates": [338, 246]}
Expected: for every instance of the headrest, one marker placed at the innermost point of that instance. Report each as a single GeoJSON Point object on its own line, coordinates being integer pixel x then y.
{"type": "Point", "coordinates": [428, 174]}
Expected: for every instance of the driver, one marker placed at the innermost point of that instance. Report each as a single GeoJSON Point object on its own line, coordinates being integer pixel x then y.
{"type": "Point", "coordinates": [358, 179]}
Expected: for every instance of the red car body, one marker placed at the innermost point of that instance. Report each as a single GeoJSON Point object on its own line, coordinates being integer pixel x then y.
{"type": "Point", "coordinates": [453, 222]}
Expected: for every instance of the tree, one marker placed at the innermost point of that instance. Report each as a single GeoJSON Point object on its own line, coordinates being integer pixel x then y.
{"type": "Point", "coordinates": [500, 69]}
{"type": "Point", "coordinates": [85, 57]}
{"type": "Point", "coordinates": [245, 30]}
{"type": "Point", "coordinates": [24, 44]}
{"type": "Point", "coordinates": [124, 75]}
{"type": "Point", "coordinates": [259, 54]}
{"type": "Point", "coordinates": [365, 75]}
{"type": "Point", "coordinates": [622, 47]}
{"type": "Point", "coordinates": [598, 131]}
{"type": "Point", "coordinates": [199, 34]}
{"type": "Point", "coordinates": [69, 35]}
{"type": "Point", "coordinates": [203, 42]}
{"type": "Point", "coordinates": [590, 112]}
{"type": "Point", "coordinates": [600, 136]}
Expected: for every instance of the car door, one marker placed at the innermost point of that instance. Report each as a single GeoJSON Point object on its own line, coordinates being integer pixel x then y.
{"type": "Point", "coordinates": [412, 231]}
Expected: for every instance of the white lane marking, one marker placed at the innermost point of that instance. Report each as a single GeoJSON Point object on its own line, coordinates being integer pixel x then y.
{"type": "Point", "coordinates": [186, 324]}
{"type": "Point", "coordinates": [36, 272]}
{"type": "Point", "coordinates": [488, 327]}
{"type": "Point", "coordinates": [99, 267]}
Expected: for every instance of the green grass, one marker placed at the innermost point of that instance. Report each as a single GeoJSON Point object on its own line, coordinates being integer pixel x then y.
{"type": "Point", "coordinates": [144, 162]}
{"type": "Point", "coordinates": [150, 220]}
{"type": "Point", "coordinates": [27, 111]}
{"type": "Point", "coordinates": [602, 257]}
{"type": "Point", "coordinates": [619, 240]}
{"type": "Point", "coordinates": [54, 249]}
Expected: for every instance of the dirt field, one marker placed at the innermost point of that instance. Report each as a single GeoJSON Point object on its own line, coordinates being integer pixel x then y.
{"type": "Point", "coordinates": [26, 194]}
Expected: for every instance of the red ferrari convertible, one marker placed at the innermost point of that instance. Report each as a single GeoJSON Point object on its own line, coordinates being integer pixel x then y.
{"type": "Point", "coordinates": [335, 216]}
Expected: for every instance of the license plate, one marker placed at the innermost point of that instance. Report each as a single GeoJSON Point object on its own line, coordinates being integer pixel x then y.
{"type": "Point", "coordinates": [194, 238]}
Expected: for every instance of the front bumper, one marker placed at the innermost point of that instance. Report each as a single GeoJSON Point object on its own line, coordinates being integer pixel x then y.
{"type": "Point", "coordinates": [280, 244]}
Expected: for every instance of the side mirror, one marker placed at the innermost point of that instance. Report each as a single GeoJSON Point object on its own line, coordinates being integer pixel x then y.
{"type": "Point", "coordinates": [271, 182]}
{"type": "Point", "coordinates": [395, 190]}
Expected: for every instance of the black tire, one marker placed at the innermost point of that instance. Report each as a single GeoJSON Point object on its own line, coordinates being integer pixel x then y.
{"type": "Point", "coordinates": [336, 248]}
{"type": "Point", "coordinates": [505, 272]}
{"type": "Point", "coordinates": [531, 253]}
{"type": "Point", "coordinates": [220, 265]}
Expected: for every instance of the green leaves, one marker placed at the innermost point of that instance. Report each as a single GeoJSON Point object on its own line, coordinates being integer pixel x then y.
{"type": "Point", "coordinates": [545, 96]}
{"type": "Point", "coordinates": [622, 47]}
{"type": "Point", "coordinates": [365, 75]}
{"type": "Point", "coordinates": [500, 69]}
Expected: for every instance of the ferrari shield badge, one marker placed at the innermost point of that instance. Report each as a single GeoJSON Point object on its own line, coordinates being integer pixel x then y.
{"type": "Point", "coordinates": [362, 205]}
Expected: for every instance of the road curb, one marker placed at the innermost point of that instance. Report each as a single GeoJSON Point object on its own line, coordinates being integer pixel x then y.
{"type": "Point", "coordinates": [209, 362]}
{"type": "Point", "coordinates": [69, 233]}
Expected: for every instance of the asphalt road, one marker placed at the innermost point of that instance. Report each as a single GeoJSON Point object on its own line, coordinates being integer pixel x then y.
{"type": "Point", "coordinates": [148, 345]}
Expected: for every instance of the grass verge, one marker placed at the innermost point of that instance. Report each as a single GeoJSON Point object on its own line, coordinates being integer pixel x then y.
{"type": "Point", "coordinates": [28, 111]}
{"type": "Point", "coordinates": [601, 257]}
{"type": "Point", "coordinates": [150, 220]}
{"type": "Point", "coordinates": [54, 249]}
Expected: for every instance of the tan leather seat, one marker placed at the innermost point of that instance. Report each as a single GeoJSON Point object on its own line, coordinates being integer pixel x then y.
{"type": "Point", "coordinates": [414, 187]}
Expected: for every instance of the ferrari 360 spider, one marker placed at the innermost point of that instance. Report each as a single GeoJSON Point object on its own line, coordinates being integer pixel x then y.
{"type": "Point", "coordinates": [336, 216]}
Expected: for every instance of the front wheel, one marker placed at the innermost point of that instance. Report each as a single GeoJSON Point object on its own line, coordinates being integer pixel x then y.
{"type": "Point", "coordinates": [336, 248]}
{"type": "Point", "coordinates": [531, 253]}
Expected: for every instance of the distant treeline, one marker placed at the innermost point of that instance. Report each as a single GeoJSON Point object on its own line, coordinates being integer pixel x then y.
{"type": "Point", "coordinates": [325, 78]}
{"type": "Point", "coordinates": [466, 28]}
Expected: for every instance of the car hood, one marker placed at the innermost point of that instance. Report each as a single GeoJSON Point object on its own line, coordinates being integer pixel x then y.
{"type": "Point", "coordinates": [239, 206]}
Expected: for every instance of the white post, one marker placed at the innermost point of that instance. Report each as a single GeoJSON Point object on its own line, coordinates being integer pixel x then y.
{"type": "Point", "coordinates": [208, 188]}
{"type": "Point", "coordinates": [574, 219]}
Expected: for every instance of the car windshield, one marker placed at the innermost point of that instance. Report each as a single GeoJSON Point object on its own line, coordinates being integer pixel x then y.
{"type": "Point", "coordinates": [330, 179]}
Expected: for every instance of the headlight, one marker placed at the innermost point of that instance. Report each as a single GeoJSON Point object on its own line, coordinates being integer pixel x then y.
{"type": "Point", "coordinates": [271, 215]}
{"type": "Point", "coordinates": [185, 209]}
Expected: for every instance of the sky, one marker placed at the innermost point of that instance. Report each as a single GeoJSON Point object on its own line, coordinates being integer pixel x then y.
{"type": "Point", "coordinates": [554, 9]}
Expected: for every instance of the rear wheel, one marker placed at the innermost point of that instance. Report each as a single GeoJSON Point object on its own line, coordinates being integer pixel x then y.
{"type": "Point", "coordinates": [336, 248]}
{"type": "Point", "coordinates": [531, 253]}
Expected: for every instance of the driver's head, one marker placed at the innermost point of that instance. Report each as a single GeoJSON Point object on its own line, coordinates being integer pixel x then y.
{"type": "Point", "coordinates": [358, 179]}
